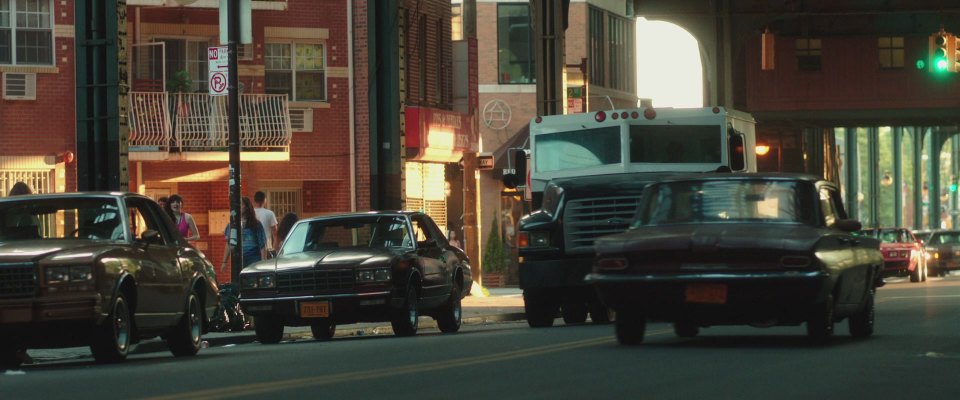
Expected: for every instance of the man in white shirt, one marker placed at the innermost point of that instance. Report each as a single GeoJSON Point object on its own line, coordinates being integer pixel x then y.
{"type": "Point", "coordinates": [268, 219]}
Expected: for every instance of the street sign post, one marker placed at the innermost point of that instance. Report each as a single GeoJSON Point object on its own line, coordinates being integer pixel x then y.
{"type": "Point", "coordinates": [218, 74]}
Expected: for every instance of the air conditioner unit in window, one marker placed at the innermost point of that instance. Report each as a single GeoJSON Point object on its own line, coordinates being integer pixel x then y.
{"type": "Point", "coordinates": [19, 86]}
{"type": "Point", "coordinates": [301, 119]}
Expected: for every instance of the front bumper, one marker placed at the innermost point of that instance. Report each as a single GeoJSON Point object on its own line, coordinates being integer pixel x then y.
{"type": "Point", "coordinates": [49, 322]}
{"type": "Point", "coordinates": [563, 271]}
{"type": "Point", "coordinates": [785, 297]}
{"type": "Point", "coordinates": [344, 308]}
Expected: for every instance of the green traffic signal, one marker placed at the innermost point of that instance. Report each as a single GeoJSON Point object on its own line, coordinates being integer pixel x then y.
{"type": "Point", "coordinates": [953, 187]}
{"type": "Point", "coordinates": [940, 64]}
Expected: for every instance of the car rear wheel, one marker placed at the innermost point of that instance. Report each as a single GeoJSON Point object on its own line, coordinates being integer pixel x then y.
{"type": "Point", "coordinates": [269, 328]}
{"type": "Point", "coordinates": [630, 328]}
{"type": "Point", "coordinates": [185, 338]}
{"type": "Point", "coordinates": [820, 323]}
{"type": "Point", "coordinates": [111, 339]}
{"type": "Point", "coordinates": [861, 323]}
{"type": "Point", "coordinates": [574, 311]}
{"type": "Point", "coordinates": [405, 320]}
{"type": "Point", "coordinates": [451, 314]}
{"type": "Point", "coordinates": [685, 329]}
{"type": "Point", "coordinates": [540, 308]}
{"type": "Point", "coordinates": [323, 329]}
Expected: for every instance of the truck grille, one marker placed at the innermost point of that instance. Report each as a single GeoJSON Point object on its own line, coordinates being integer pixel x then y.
{"type": "Point", "coordinates": [585, 220]}
{"type": "Point", "coordinates": [315, 280]}
{"type": "Point", "coordinates": [17, 280]}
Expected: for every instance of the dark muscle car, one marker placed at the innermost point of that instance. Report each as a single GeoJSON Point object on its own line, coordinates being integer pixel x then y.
{"type": "Point", "coordinates": [98, 269]}
{"type": "Point", "coordinates": [944, 249]}
{"type": "Point", "coordinates": [360, 267]}
{"type": "Point", "coordinates": [732, 249]}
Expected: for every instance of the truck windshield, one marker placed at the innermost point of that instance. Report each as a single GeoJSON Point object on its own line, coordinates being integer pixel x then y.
{"type": "Point", "coordinates": [577, 149]}
{"type": "Point", "coordinates": [676, 143]}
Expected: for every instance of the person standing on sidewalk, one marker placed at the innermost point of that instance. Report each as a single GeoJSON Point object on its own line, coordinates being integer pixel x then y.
{"type": "Point", "coordinates": [184, 222]}
{"type": "Point", "coordinates": [269, 221]}
{"type": "Point", "coordinates": [254, 239]}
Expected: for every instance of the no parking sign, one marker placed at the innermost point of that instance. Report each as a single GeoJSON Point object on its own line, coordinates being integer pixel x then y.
{"type": "Point", "coordinates": [217, 77]}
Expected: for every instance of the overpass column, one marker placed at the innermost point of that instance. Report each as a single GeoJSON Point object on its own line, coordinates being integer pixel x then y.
{"type": "Point", "coordinates": [549, 29]}
{"type": "Point", "coordinates": [853, 173]}
{"type": "Point", "coordinates": [917, 191]}
{"type": "Point", "coordinates": [933, 178]}
{"type": "Point", "coordinates": [897, 176]}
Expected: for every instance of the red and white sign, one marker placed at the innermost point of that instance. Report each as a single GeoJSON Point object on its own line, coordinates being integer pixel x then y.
{"type": "Point", "coordinates": [217, 76]}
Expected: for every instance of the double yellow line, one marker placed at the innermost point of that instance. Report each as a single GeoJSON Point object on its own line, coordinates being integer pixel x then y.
{"type": "Point", "coordinates": [289, 384]}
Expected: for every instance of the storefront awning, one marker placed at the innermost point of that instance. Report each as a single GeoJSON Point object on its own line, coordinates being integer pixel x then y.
{"type": "Point", "coordinates": [438, 135]}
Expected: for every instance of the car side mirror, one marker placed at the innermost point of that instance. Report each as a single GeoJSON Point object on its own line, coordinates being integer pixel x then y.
{"type": "Point", "coordinates": [150, 236]}
{"type": "Point", "coordinates": [848, 225]}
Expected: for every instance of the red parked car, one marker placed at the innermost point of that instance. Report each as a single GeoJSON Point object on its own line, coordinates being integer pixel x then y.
{"type": "Point", "coordinates": [903, 253]}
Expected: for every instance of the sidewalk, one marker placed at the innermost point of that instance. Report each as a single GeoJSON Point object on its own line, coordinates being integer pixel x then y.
{"type": "Point", "coordinates": [502, 305]}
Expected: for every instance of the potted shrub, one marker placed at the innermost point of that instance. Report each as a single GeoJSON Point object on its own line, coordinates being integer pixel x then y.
{"type": "Point", "coordinates": [494, 263]}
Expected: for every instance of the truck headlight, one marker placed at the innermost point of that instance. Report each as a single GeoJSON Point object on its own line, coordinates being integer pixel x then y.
{"type": "Point", "coordinates": [533, 239]}
{"type": "Point", "coordinates": [70, 274]}
{"type": "Point", "coordinates": [374, 275]}
{"type": "Point", "coordinates": [267, 282]}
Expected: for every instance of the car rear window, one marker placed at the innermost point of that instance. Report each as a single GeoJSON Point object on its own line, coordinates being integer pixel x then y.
{"type": "Point", "coordinates": [707, 201]}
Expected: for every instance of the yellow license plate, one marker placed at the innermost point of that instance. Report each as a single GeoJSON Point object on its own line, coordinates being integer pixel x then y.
{"type": "Point", "coordinates": [708, 293]}
{"type": "Point", "coordinates": [315, 309]}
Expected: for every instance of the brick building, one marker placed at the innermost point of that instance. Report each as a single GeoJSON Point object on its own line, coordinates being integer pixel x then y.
{"type": "Point", "coordinates": [296, 131]}
{"type": "Point", "coordinates": [599, 39]}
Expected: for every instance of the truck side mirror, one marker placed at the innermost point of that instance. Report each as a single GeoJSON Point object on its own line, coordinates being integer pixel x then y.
{"type": "Point", "coordinates": [518, 158]}
{"type": "Point", "coordinates": [737, 148]}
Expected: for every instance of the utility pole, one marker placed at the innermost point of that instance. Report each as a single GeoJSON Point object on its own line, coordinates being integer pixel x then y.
{"type": "Point", "coordinates": [471, 229]}
{"type": "Point", "coordinates": [233, 117]}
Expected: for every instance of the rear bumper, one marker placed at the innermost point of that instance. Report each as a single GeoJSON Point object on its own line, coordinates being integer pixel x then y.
{"type": "Point", "coordinates": [784, 297]}
{"type": "Point", "coordinates": [42, 323]}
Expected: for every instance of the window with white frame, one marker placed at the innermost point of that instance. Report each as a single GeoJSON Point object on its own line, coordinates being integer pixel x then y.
{"type": "Point", "coordinates": [184, 58]}
{"type": "Point", "coordinates": [297, 70]}
{"type": "Point", "coordinates": [26, 32]}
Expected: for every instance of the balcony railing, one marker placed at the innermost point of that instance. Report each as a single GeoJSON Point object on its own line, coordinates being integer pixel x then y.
{"type": "Point", "coordinates": [196, 122]}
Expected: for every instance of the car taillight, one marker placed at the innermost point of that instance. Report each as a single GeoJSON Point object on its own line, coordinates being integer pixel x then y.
{"type": "Point", "coordinates": [600, 116]}
{"type": "Point", "coordinates": [794, 261]}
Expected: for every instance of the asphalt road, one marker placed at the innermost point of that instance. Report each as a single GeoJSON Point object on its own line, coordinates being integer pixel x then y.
{"type": "Point", "coordinates": [914, 354]}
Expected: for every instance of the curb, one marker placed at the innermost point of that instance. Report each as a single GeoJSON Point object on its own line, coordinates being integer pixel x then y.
{"type": "Point", "coordinates": [248, 336]}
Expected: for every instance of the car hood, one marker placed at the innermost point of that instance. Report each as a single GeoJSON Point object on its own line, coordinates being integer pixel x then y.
{"type": "Point", "coordinates": [710, 237]}
{"type": "Point", "coordinates": [896, 246]}
{"type": "Point", "coordinates": [35, 250]}
{"type": "Point", "coordinates": [331, 258]}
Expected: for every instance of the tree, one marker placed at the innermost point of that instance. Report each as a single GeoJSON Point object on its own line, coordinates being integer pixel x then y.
{"type": "Point", "coordinates": [494, 256]}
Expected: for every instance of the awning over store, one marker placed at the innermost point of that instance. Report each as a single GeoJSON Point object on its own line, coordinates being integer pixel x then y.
{"type": "Point", "coordinates": [501, 156]}
{"type": "Point", "coordinates": [438, 135]}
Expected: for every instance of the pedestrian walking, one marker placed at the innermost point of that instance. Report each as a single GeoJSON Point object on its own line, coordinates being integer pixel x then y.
{"type": "Point", "coordinates": [254, 239]}
{"type": "Point", "coordinates": [286, 224]}
{"type": "Point", "coordinates": [20, 188]}
{"type": "Point", "coordinates": [184, 222]}
{"type": "Point", "coordinates": [163, 202]}
{"type": "Point", "coordinates": [269, 221]}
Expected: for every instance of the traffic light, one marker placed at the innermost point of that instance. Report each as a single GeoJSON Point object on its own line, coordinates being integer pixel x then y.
{"type": "Point", "coordinates": [943, 52]}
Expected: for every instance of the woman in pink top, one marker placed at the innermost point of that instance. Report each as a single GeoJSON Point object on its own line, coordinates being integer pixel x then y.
{"type": "Point", "coordinates": [183, 221]}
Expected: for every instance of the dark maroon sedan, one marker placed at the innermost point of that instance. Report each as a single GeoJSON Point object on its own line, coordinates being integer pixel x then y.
{"type": "Point", "coordinates": [739, 249]}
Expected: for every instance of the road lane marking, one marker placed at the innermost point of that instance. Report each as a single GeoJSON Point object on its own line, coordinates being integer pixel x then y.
{"type": "Point", "coordinates": [886, 299]}
{"type": "Point", "coordinates": [288, 384]}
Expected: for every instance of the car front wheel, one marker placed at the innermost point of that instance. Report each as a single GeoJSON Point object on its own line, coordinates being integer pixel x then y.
{"type": "Point", "coordinates": [269, 329]}
{"type": "Point", "coordinates": [111, 339]}
{"type": "Point", "coordinates": [324, 329]}
{"type": "Point", "coordinates": [406, 319]}
{"type": "Point", "coordinates": [9, 357]}
{"type": "Point", "coordinates": [185, 338]}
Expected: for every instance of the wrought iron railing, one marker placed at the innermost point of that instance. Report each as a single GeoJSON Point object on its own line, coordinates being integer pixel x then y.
{"type": "Point", "coordinates": [198, 122]}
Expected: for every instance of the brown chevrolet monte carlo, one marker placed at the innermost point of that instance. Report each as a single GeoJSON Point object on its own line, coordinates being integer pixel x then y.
{"type": "Point", "coordinates": [98, 269]}
{"type": "Point", "coordinates": [739, 249]}
{"type": "Point", "coordinates": [360, 267]}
